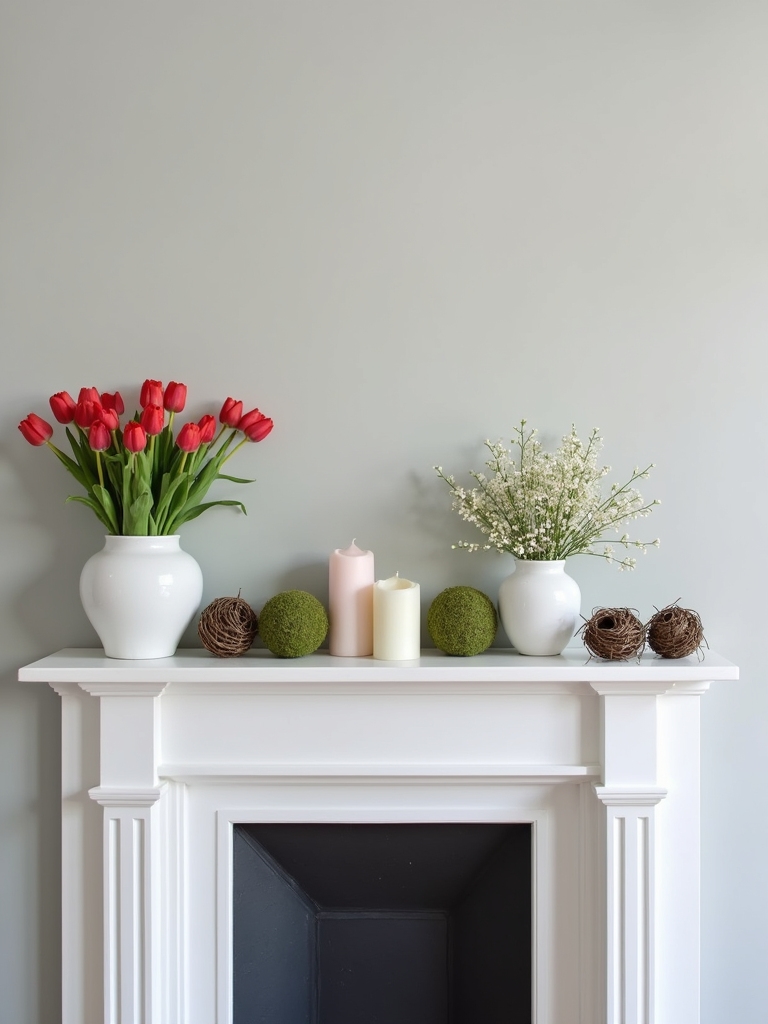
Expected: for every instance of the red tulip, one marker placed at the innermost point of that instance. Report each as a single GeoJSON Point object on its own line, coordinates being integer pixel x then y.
{"type": "Point", "coordinates": [189, 437]}
{"type": "Point", "coordinates": [153, 418]}
{"type": "Point", "coordinates": [113, 402]}
{"type": "Point", "coordinates": [134, 437]}
{"type": "Point", "coordinates": [151, 393]}
{"type": "Point", "coordinates": [86, 412]}
{"type": "Point", "coordinates": [254, 416]}
{"type": "Point", "coordinates": [88, 395]}
{"type": "Point", "coordinates": [231, 412]}
{"type": "Point", "coordinates": [98, 436]}
{"type": "Point", "coordinates": [256, 429]}
{"type": "Point", "coordinates": [35, 429]}
{"type": "Point", "coordinates": [62, 406]}
{"type": "Point", "coordinates": [175, 397]}
{"type": "Point", "coordinates": [109, 418]}
{"type": "Point", "coordinates": [207, 429]}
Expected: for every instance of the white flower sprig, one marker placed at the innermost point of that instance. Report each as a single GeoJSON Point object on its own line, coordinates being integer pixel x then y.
{"type": "Point", "coordinates": [547, 506]}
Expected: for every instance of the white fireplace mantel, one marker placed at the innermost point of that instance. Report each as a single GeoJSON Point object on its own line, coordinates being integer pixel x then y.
{"type": "Point", "coordinates": [160, 758]}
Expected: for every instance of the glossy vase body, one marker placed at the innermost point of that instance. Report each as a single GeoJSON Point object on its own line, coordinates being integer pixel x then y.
{"type": "Point", "coordinates": [140, 594]}
{"type": "Point", "coordinates": [539, 606]}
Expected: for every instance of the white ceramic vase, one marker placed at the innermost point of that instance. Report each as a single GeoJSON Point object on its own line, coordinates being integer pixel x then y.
{"type": "Point", "coordinates": [539, 606]}
{"type": "Point", "coordinates": [140, 594]}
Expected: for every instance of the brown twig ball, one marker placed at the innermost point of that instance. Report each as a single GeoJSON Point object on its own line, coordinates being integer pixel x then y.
{"type": "Point", "coordinates": [675, 632]}
{"type": "Point", "coordinates": [614, 634]}
{"type": "Point", "coordinates": [228, 627]}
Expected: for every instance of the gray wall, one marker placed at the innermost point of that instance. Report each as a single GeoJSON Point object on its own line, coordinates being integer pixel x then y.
{"type": "Point", "coordinates": [397, 228]}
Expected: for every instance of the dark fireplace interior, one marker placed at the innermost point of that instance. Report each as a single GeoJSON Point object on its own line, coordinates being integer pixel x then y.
{"type": "Point", "coordinates": [382, 924]}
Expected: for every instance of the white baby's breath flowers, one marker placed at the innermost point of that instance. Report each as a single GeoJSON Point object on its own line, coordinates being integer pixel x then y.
{"type": "Point", "coordinates": [547, 506]}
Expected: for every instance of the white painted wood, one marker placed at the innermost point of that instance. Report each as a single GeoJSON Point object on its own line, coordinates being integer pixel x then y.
{"type": "Point", "coordinates": [81, 863]}
{"type": "Point", "coordinates": [84, 665]}
{"type": "Point", "coordinates": [174, 894]}
{"type": "Point", "coordinates": [591, 911]}
{"type": "Point", "coordinates": [678, 873]}
{"type": "Point", "coordinates": [132, 989]}
{"type": "Point", "coordinates": [601, 758]}
{"type": "Point", "coordinates": [244, 773]}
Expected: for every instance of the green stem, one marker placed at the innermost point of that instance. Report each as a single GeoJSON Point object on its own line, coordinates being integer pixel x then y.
{"type": "Point", "coordinates": [224, 444]}
{"type": "Point", "coordinates": [55, 450]}
{"type": "Point", "coordinates": [98, 467]}
{"type": "Point", "coordinates": [235, 449]}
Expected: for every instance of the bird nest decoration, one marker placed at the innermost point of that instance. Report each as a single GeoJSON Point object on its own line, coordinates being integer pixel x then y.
{"type": "Point", "coordinates": [614, 634]}
{"type": "Point", "coordinates": [228, 627]}
{"type": "Point", "coordinates": [675, 632]}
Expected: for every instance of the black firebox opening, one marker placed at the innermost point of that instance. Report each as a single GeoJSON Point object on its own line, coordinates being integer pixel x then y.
{"type": "Point", "coordinates": [382, 924]}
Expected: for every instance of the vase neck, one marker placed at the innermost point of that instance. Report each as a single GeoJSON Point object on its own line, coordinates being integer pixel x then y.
{"type": "Point", "coordinates": [140, 544]}
{"type": "Point", "coordinates": [540, 567]}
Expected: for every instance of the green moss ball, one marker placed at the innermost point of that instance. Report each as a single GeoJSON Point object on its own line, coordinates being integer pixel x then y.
{"type": "Point", "coordinates": [293, 624]}
{"type": "Point", "coordinates": [462, 621]}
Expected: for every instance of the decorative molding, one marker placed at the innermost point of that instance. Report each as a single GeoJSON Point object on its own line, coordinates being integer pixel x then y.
{"type": "Point", "coordinates": [592, 900]}
{"type": "Point", "coordinates": [245, 774]}
{"type": "Point", "coordinates": [64, 689]}
{"type": "Point", "coordinates": [173, 910]}
{"type": "Point", "coordinates": [137, 689]}
{"type": "Point", "coordinates": [544, 902]}
{"type": "Point", "coordinates": [694, 689]}
{"type": "Point", "coordinates": [630, 844]}
{"type": "Point", "coordinates": [616, 923]}
{"type": "Point", "coordinates": [629, 688]}
{"type": "Point", "coordinates": [129, 997]}
{"type": "Point", "coordinates": [630, 796]}
{"type": "Point", "coordinates": [417, 685]}
{"type": "Point", "coordinates": [109, 796]}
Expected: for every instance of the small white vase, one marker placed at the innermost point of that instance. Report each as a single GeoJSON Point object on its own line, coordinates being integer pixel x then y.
{"type": "Point", "coordinates": [140, 594]}
{"type": "Point", "coordinates": [539, 606]}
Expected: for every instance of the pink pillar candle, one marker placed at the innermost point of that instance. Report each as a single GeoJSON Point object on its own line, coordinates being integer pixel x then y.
{"type": "Point", "coordinates": [350, 599]}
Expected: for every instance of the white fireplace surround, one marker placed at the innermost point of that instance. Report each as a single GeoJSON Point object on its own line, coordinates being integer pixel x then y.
{"type": "Point", "coordinates": [160, 758]}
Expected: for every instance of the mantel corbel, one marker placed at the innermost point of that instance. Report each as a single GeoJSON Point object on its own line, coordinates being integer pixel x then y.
{"type": "Point", "coordinates": [111, 796]}
{"type": "Point", "coordinates": [130, 689]}
{"type": "Point", "coordinates": [612, 688]}
{"type": "Point", "coordinates": [630, 796]}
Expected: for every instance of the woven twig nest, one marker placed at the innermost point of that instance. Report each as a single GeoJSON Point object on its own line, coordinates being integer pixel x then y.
{"type": "Point", "coordinates": [228, 627]}
{"type": "Point", "coordinates": [675, 632]}
{"type": "Point", "coordinates": [614, 634]}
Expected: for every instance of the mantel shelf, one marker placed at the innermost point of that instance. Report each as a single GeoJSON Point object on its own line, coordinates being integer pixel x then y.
{"type": "Point", "coordinates": [497, 666]}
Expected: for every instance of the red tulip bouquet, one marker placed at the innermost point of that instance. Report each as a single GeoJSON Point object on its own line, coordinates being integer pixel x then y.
{"type": "Point", "coordinates": [139, 479]}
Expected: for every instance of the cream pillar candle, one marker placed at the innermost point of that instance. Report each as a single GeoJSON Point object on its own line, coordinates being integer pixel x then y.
{"type": "Point", "coordinates": [396, 619]}
{"type": "Point", "coordinates": [350, 600]}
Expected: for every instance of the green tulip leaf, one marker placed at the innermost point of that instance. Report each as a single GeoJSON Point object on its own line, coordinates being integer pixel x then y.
{"type": "Point", "coordinates": [96, 507]}
{"type": "Point", "coordinates": [165, 503]}
{"type": "Point", "coordinates": [87, 464]}
{"type": "Point", "coordinates": [70, 465]}
{"type": "Point", "coordinates": [103, 496]}
{"type": "Point", "coordinates": [197, 510]}
{"type": "Point", "coordinates": [138, 515]}
{"type": "Point", "coordinates": [235, 479]}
